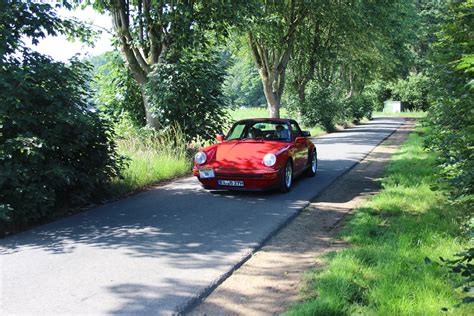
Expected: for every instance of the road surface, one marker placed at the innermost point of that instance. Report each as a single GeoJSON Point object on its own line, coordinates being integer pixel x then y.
{"type": "Point", "coordinates": [159, 250]}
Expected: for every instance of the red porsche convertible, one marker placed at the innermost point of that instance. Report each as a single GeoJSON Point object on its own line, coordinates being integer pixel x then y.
{"type": "Point", "coordinates": [257, 154]}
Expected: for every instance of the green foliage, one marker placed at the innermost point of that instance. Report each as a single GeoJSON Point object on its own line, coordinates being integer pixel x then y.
{"type": "Point", "coordinates": [463, 265]}
{"type": "Point", "coordinates": [358, 107]}
{"type": "Point", "coordinates": [377, 92]}
{"type": "Point", "coordinates": [152, 156]}
{"type": "Point", "coordinates": [117, 94]}
{"type": "Point", "coordinates": [323, 106]}
{"type": "Point", "coordinates": [189, 93]}
{"type": "Point", "coordinates": [386, 270]}
{"type": "Point", "coordinates": [242, 85]}
{"type": "Point", "coordinates": [350, 46]}
{"type": "Point", "coordinates": [412, 91]}
{"type": "Point", "coordinates": [47, 136]}
{"type": "Point", "coordinates": [451, 116]}
{"type": "Point", "coordinates": [53, 152]}
{"type": "Point", "coordinates": [25, 19]}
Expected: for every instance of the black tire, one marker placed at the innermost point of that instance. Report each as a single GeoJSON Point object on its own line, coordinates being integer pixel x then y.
{"type": "Point", "coordinates": [312, 169]}
{"type": "Point", "coordinates": [286, 181]}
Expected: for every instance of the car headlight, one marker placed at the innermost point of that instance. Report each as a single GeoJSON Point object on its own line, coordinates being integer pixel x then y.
{"type": "Point", "coordinates": [269, 160]}
{"type": "Point", "coordinates": [200, 158]}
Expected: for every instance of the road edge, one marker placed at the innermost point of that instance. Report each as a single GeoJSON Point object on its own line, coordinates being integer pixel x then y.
{"type": "Point", "coordinates": [198, 298]}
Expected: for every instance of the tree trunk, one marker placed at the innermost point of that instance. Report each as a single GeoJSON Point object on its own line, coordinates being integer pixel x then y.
{"type": "Point", "coordinates": [151, 121]}
{"type": "Point", "coordinates": [301, 93]}
{"type": "Point", "coordinates": [136, 58]}
{"type": "Point", "coordinates": [273, 101]}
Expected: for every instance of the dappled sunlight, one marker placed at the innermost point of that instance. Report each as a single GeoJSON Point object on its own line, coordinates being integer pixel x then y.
{"type": "Point", "coordinates": [172, 241]}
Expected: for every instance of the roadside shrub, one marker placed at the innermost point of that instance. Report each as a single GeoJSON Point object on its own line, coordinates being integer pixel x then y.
{"type": "Point", "coordinates": [323, 106]}
{"type": "Point", "coordinates": [359, 107]}
{"type": "Point", "coordinates": [412, 91]}
{"type": "Point", "coordinates": [53, 152]}
{"type": "Point", "coordinates": [189, 93]}
{"type": "Point", "coordinates": [451, 119]}
{"type": "Point", "coordinates": [376, 93]}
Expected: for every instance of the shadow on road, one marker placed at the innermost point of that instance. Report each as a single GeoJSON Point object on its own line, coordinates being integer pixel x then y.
{"type": "Point", "coordinates": [188, 230]}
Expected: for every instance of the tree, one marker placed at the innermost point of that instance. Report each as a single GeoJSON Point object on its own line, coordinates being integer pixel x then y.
{"type": "Point", "coordinates": [153, 32]}
{"type": "Point", "coordinates": [189, 94]}
{"type": "Point", "coordinates": [271, 35]}
{"type": "Point", "coordinates": [242, 86]}
{"type": "Point", "coordinates": [315, 46]}
{"type": "Point", "coordinates": [343, 46]}
{"type": "Point", "coordinates": [116, 93]}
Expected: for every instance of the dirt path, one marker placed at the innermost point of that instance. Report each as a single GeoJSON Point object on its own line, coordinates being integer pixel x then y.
{"type": "Point", "coordinates": [270, 281]}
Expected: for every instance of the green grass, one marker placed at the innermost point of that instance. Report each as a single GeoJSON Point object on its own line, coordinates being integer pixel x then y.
{"type": "Point", "coordinates": [151, 158]}
{"type": "Point", "coordinates": [413, 114]}
{"type": "Point", "coordinates": [147, 167]}
{"type": "Point", "coordinates": [237, 114]}
{"type": "Point", "coordinates": [253, 112]}
{"type": "Point", "coordinates": [384, 271]}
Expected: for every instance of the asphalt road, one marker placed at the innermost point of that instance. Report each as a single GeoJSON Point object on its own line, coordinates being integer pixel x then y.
{"type": "Point", "coordinates": [155, 252]}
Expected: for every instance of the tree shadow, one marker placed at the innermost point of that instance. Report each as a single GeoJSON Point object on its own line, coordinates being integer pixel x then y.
{"type": "Point", "coordinates": [197, 235]}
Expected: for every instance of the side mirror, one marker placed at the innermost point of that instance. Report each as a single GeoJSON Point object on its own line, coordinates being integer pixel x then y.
{"type": "Point", "coordinates": [220, 138]}
{"type": "Point", "coordinates": [300, 139]}
{"type": "Point", "coordinates": [306, 134]}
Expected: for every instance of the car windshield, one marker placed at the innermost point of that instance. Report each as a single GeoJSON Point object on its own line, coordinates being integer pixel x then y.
{"type": "Point", "coordinates": [259, 130]}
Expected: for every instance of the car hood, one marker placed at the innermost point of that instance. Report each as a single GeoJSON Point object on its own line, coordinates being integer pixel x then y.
{"type": "Point", "coordinates": [245, 154]}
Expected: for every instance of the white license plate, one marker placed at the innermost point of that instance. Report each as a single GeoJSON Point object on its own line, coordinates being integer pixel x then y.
{"type": "Point", "coordinates": [231, 183]}
{"type": "Point", "coordinates": [206, 173]}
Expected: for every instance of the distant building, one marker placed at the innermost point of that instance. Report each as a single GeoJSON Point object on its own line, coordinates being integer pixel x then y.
{"type": "Point", "coordinates": [391, 106]}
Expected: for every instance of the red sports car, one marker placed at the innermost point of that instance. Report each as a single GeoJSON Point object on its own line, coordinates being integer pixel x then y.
{"type": "Point", "coordinates": [257, 154]}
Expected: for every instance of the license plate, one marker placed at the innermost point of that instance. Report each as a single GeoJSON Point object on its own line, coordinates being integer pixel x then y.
{"type": "Point", "coordinates": [231, 183]}
{"type": "Point", "coordinates": [206, 173]}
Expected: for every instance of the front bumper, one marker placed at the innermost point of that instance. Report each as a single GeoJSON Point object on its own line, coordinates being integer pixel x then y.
{"type": "Point", "coordinates": [254, 179]}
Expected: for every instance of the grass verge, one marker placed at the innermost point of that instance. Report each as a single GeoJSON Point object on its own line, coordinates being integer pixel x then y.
{"type": "Point", "coordinates": [152, 157]}
{"type": "Point", "coordinates": [385, 272]}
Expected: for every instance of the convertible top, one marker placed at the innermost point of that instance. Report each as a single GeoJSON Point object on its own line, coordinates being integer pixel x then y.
{"type": "Point", "coordinates": [281, 120]}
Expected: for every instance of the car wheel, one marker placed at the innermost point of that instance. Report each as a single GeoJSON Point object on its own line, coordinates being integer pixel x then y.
{"type": "Point", "coordinates": [287, 177]}
{"type": "Point", "coordinates": [313, 164]}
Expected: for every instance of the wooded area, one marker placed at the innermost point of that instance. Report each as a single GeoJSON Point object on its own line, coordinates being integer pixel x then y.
{"type": "Point", "coordinates": [70, 131]}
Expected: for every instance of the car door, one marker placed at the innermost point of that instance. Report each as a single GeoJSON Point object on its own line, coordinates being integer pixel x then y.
{"type": "Point", "coordinates": [301, 153]}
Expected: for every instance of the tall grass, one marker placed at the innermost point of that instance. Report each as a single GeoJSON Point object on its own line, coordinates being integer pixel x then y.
{"type": "Point", "coordinates": [396, 238]}
{"type": "Point", "coordinates": [152, 157]}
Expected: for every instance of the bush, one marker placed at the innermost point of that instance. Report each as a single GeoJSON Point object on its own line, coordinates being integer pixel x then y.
{"type": "Point", "coordinates": [451, 116]}
{"type": "Point", "coordinates": [412, 91]}
{"type": "Point", "coordinates": [189, 93]}
{"type": "Point", "coordinates": [53, 152]}
{"type": "Point", "coordinates": [376, 93]}
{"type": "Point", "coordinates": [323, 106]}
{"type": "Point", "coordinates": [359, 107]}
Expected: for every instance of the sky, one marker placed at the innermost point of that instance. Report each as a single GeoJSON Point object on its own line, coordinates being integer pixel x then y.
{"type": "Point", "coordinates": [60, 49]}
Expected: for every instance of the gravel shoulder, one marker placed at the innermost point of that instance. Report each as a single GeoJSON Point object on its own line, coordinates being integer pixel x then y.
{"type": "Point", "coordinates": [271, 279]}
